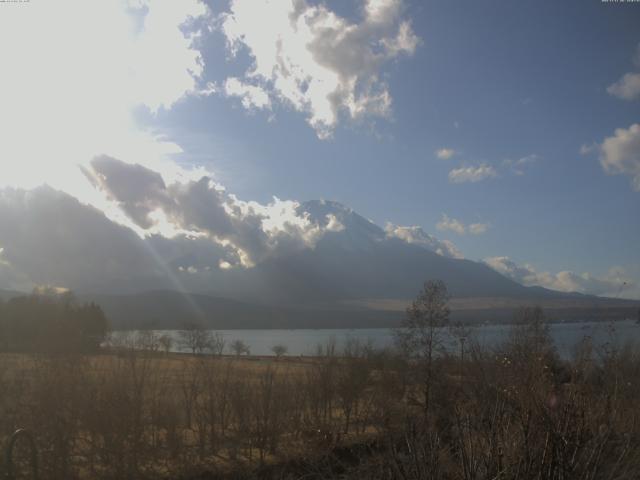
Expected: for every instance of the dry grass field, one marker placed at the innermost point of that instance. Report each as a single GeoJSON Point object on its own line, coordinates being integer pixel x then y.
{"type": "Point", "coordinates": [515, 412]}
{"type": "Point", "coordinates": [146, 414]}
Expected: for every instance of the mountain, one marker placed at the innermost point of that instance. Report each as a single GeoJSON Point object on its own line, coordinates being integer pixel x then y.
{"type": "Point", "coordinates": [361, 260]}
{"type": "Point", "coordinates": [354, 274]}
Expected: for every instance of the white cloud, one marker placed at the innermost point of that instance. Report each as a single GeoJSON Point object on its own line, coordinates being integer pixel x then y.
{"type": "Point", "coordinates": [519, 165]}
{"type": "Point", "coordinates": [316, 61]}
{"type": "Point", "coordinates": [471, 173]}
{"type": "Point", "coordinates": [417, 236]}
{"type": "Point", "coordinates": [614, 283]}
{"type": "Point", "coordinates": [478, 228]}
{"type": "Point", "coordinates": [252, 96]}
{"type": "Point", "coordinates": [71, 96]}
{"type": "Point", "coordinates": [627, 88]}
{"type": "Point", "coordinates": [165, 64]}
{"type": "Point", "coordinates": [334, 224]}
{"type": "Point", "coordinates": [620, 154]}
{"type": "Point", "coordinates": [445, 153]}
{"type": "Point", "coordinates": [477, 173]}
{"type": "Point", "coordinates": [586, 149]}
{"type": "Point", "coordinates": [525, 274]}
{"type": "Point", "coordinates": [453, 225]}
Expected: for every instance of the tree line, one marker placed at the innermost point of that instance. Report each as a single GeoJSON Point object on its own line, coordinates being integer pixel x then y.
{"type": "Point", "coordinates": [49, 321]}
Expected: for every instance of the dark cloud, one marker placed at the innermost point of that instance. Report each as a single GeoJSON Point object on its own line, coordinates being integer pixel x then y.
{"type": "Point", "coordinates": [137, 190]}
{"type": "Point", "coordinates": [200, 206]}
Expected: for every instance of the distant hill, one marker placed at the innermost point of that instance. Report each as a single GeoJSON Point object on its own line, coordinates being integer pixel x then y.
{"type": "Point", "coordinates": [166, 309]}
{"type": "Point", "coordinates": [173, 310]}
{"type": "Point", "coordinates": [7, 294]}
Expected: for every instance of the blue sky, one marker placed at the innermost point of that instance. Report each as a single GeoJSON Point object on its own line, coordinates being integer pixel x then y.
{"type": "Point", "coordinates": [520, 93]}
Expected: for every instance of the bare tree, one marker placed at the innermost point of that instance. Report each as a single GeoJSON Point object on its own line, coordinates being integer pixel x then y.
{"type": "Point", "coordinates": [279, 350]}
{"type": "Point", "coordinates": [217, 343]}
{"type": "Point", "coordinates": [147, 341]}
{"type": "Point", "coordinates": [166, 342]}
{"type": "Point", "coordinates": [196, 338]}
{"type": "Point", "coordinates": [239, 347]}
{"type": "Point", "coordinates": [422, 333]}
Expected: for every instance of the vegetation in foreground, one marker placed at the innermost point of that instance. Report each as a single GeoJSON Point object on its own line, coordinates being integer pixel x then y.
{"type": "Point", "coordinates": [420, 412]}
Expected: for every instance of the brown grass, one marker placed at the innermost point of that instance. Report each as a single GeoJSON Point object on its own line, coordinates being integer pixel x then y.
{"type": "Point", "coordinates": [517, 412]}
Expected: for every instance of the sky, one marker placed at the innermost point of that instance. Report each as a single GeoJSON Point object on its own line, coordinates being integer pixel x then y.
{"type": "Point", "coordinates": [511, 130]}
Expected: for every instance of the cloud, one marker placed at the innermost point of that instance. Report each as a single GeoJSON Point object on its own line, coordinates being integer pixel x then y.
{"type": "Point", "coordinates": [417, 236]}
{"type": "Point", "coordinates": [166, 63]}
{"type": "Point", "coordinates": [203, 208]}
{"type": "Point", "coordinates": [317, 62]}
{"type": "Point", "coordinates": [472, 174]}
{"type": "Point", "coordinates": [586, 149]}
{"type": "Point", "coordinates": [519, 165]}
{"type": "Point", "coordinates": [191, 253]}
{"type": "Point", "coordinates": [253, 97]}
{"type": "Point", "coordinates": [445, 153]}
{"type": "Point", "coordinates": [614, 283]}
{"type": "Point", "coordinates": [477, 173]}
{"type": "Point", "coordinates": [451, 224]}
{"type": "Point", "coordinates": [620, 154]}
{"type": "Point", "coordinates": [460, 228]}
{"type": "Point", "coordinates": [73, 96]}
{"type": "Point", "coordinates": [136, 189]}
{"type": "Point", "coordinates": [478, 228]}
{"type": "Point", "coordinates": [509, 268]}
{"type": "Point", "coordinates": [627, 88]}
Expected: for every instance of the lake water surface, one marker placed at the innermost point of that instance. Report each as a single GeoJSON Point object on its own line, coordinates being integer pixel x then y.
{"type": "Point", "coordinates": [305, 341]}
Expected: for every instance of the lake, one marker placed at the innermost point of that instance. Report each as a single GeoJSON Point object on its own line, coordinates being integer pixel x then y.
{"type": "Point", "coordinates": [305, 341]}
